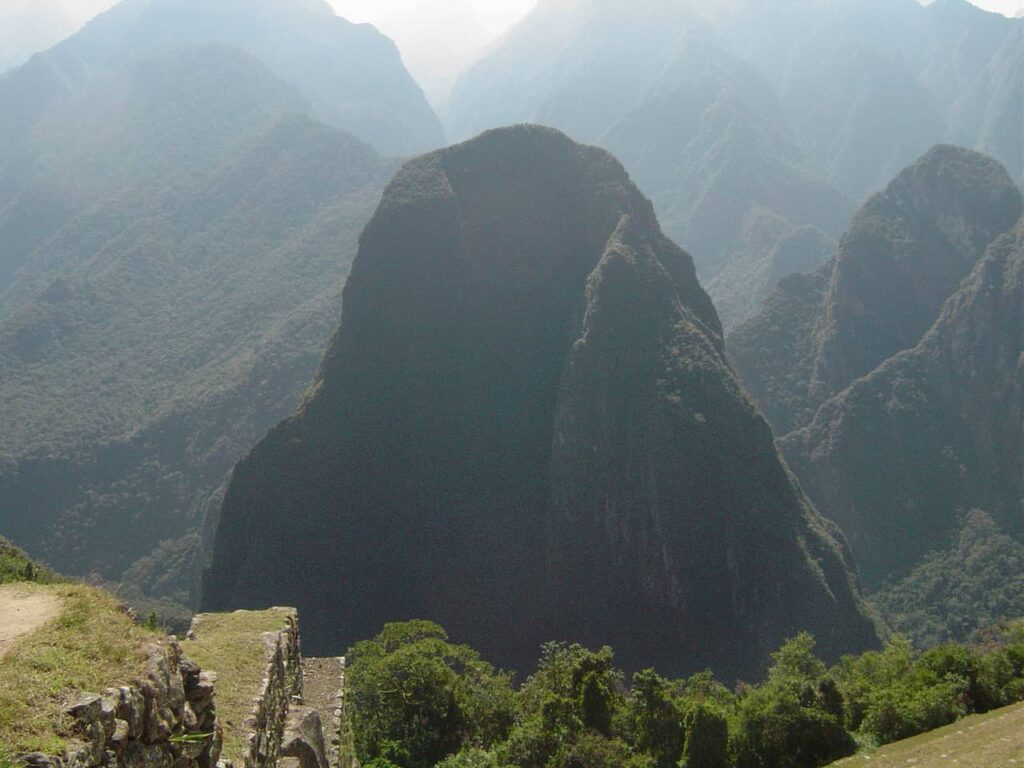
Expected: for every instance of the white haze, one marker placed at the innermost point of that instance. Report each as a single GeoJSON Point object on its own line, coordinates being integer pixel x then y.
{"type": "Point", "coordinates": [438, 38]}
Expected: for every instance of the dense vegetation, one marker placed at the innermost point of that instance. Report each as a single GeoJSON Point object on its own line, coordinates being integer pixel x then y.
{"type": "Point", "coordinates": [414, 700]}
{"type": "Point", "coordinates": [953, 595]}
{"type": "Point", "coordinates": [898, 456]}
{"type": "Point", "coordinates": [160, 330]}
{"type": "Point", "coordinates": [905, 253]}
{"type": "Point", "coordinates": [524, 426]}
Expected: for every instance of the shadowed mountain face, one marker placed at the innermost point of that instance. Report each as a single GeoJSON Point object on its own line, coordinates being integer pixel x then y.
{"type": "Point", "coordinates": [351, 75]}
{"type": "Point", "coordinates": [172, 305]}
{"type": "Point", "coordinates": [932, 432]}
{"type": "Point", "coordinates": [906, 252]}
{"type": "Point", "coordinates": [748, 120]}
{"type": "Point", "coordinates": [525, 429]}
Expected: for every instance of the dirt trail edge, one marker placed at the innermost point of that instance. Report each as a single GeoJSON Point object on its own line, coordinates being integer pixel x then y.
{"type": "Point", "coordinates": [24, 608]}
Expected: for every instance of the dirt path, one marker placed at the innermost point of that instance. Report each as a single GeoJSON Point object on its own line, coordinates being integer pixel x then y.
{"type": "Point", "coordinates": [321, 689]}
{"type": "Point", "coordinates": [23, 609]}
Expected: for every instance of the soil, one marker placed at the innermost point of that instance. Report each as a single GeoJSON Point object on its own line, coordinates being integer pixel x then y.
{"type": "Point", "coordinates": [24, 608]}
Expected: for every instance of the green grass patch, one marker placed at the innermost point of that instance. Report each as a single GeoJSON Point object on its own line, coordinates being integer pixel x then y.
{"type": "Point", "coordinates": [231, 645]}
{"type": "Point", "coordinates": [981, 741]}
{"type": "Point", "coordinates": [16, 566]}
{"type": "Point", "coordinates": [90, 645]}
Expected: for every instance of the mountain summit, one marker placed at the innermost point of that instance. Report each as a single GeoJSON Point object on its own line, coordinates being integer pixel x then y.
{"type": "Point", "coordinates": [351, 74]}
{"type": "Point", "coordinates": [525, 428]}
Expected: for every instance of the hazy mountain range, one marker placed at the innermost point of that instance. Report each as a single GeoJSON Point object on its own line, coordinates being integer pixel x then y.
{"type": "Point", "coordinates": [829, 100]}
{"type": "Point", "coordinates": [528, 393]}
{"type": "Point", "coordinates": [893, 371]}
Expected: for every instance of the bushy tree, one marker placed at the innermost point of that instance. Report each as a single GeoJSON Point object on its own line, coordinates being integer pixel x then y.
{"type": "Point", "coordinates": [575, 691]}
{"type": "Point", "coordinates": [707, 739]}
{"type": "Point", "coordinates": [415, 698]}
{"type": "Point", "coordinates": [795, 719]}
{"type": "Point", "coordinates": [654, 718]}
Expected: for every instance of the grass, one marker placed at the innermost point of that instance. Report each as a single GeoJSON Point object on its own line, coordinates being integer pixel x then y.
{"type": "Point", "coordinates": [91, 645]}
{"type": "Point", "coordinates": [994, 740]}
{"type": "Point", "coordinates": [231, 645]}
{"type": "Point", "coordinates": [15, 566]}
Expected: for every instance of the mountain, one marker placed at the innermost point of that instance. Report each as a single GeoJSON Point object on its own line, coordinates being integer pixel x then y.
{"type": "Point", "coordinates": [905, 253]}
{"type": "Point", "coordinates": [174, 310]}
{"type": "Point", "coordinates": [351, 75]}
{"type": "Point", "coordinates": [711, 144]}
{"type": "Point", "coordinates": [698, 127]}
{"type": "Point", "coordinates": [932, 432]}
{"type": "Point", "coordinates": [526, 428]}
{"type": "Point", "coordinates": [747, 121]}
{"type": "Point", "coordinates": [30, 26]}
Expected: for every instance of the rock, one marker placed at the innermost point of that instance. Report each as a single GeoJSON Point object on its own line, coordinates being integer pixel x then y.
{"type": "Point", "coordinates": [304, 738]}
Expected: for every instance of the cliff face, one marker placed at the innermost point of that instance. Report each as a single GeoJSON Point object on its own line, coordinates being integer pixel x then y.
{"type": "Point", "coordinates": [525, 429]}
{"type": "Point", "coordinates": [905, 253]}
{"type": "Point", "coordinates": [932, 432]}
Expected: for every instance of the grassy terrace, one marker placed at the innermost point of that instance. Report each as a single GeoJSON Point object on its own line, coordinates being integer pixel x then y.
{"type": "Point", "coordinates": [231, 645]}
{"type": "Point", "coordinates": [88, 644]}
{"type": "Point", "coordinates": [995, 740]}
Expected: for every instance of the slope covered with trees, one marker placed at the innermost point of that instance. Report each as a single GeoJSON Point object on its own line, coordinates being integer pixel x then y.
{"type": "Point", "coordinates": [416, 700]}
{"type": "Point", "coordinates": [175, 308]}
{"type": "Point", "coordinates": [526, 427]}
{"type": "Point", "coordinates": [905, 253]}
{"type": "Point", "coordinates": [933, 431]}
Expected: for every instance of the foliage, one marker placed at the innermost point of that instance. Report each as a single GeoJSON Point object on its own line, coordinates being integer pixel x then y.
{"type": "Point", "coordinates": [951, 594]}
{"type": "Point", "coordinates": [16, 566]}
{"type": "Point", "coordinates": [415, 700]}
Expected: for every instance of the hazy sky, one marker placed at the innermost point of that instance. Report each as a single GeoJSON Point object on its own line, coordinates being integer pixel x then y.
{"type": "Point", "coordinates": [438, 38]}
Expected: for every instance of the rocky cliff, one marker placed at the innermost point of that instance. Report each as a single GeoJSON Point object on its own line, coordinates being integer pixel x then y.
{"type": "Point", "coordinates": [905, 253]}
{"type": "Point", "coordinates": [525, 429]}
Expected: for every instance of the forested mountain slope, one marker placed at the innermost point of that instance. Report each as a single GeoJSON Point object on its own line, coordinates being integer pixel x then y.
{"type": "Point", "coordinates": [905, 253]}
{"type": "Point", "coordinates": [525, 427]}
{"type": "Point", "coordinates": [177, 311]}
{"type": "Point", "coordinates": [351, 74]}
{"type": "Point", "coordinates": [932, 432]}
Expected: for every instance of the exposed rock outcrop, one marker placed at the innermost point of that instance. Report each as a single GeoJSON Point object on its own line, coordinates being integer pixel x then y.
{"type": "Point", "coordinates": [525, 429]}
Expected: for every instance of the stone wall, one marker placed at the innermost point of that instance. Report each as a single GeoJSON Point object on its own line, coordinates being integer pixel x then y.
{"type": "Point", "coordinates": [165, 719]}
{"type": "Point", "coordinates": [280, 688]}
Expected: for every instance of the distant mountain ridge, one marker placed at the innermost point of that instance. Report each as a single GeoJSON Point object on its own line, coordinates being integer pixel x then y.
{"type": "Point", "coordinates": [905, 253]}
{"type": "Point", "coordinates": [891, 375]}
{"type": "Point", "coordinates": [174, 305]}
{"type": "Point", "coordinates": [933, 432]}
{"type": "Point", "coordinates": [749, 120]}
{"type": "Point", "coordinates": [350, 74]}
{"type": "Point", "coordinates": [525, 427]}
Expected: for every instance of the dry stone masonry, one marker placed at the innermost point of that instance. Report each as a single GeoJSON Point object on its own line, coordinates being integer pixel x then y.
{"type": "Point", "coordinates": [280, 729]}
{"type": "Point", "coordinates": [165, 719]}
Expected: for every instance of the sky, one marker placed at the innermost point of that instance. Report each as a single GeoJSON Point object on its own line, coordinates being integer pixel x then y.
{"type": "Point", "coordinates": [438, 38]}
